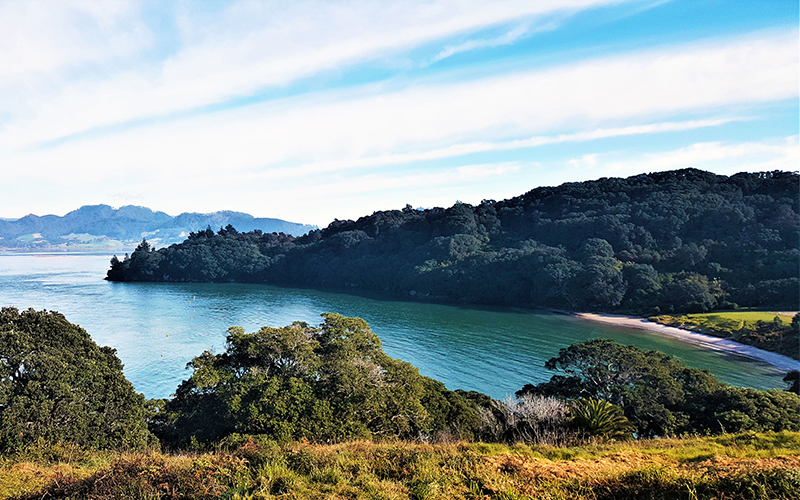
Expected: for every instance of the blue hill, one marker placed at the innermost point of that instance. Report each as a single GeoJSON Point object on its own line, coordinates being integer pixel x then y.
{"type": "Point", "coordinates": [101, 226]}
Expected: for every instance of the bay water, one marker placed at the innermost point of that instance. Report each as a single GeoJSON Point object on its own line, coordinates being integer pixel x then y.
{"type": "Point", "coordinates": [157, 328]}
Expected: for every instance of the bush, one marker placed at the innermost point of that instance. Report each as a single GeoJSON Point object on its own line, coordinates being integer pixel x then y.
{"type": "Point", "coordinates": [535, 420]}
{"type": "Point", "coordinates": [600, 419]}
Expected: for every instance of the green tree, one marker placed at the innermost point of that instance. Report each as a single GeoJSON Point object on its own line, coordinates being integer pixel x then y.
{"type": "Point", "coordinates": [660, 395]}
{"type": "Point", "coordinates": [651, 387]}
{"type": "Point", "coordinates": [330, 382]}
{"type": "Point", "coordinates": [681, 241]}
{"type": "Point", "coordinates": [737, 409]}
{"type": "Point", "coordinates": [143, 263]}
{"type": "Point", "coordinates": [690, 292]}
{"type": "Point", "coordinates": [792, 379]}
{"type": "Point", "coordinates": [56, 384]}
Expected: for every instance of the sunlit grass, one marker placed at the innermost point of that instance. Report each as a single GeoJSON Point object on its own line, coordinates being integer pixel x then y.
{"type": "Point", "coordinates": [728, 321]}
{"type": "Point", "coordinates": [747, 465]}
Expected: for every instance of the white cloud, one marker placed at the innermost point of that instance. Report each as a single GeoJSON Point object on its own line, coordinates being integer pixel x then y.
{"type": "Point", "coordinates": [505, 39]}
{"type": "Point", "coordinates": [126, 198]}
{"type": "Point", "coordinates": [463, 149]}
{"type": "Point", "coordinates": [748, 156]}
{"type": "Point", "coordinates": [353, 197]}
{"type": "Point", "coordinates": [589, 161]}
{"type": "Point", "coordinates": [240, 50]}
{"type": "Point", "coordinates": [325, 132]}
{"type": "Point", "coordinates": [46, 36]}
{"type": "Point", "coordinates": [720, 157]}
{"type": "Point", "coordinates": [479, 172]}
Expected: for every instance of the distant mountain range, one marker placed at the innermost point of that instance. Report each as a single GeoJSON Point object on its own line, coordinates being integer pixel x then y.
{"type": "Point", "coordinates": [99, 227]}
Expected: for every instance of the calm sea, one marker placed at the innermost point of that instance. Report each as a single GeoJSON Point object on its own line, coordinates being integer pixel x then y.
{"type": "Point", "coordinates": [157, 328]}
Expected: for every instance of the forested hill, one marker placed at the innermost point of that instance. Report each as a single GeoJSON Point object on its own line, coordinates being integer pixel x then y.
{"type": "Point", "coordinates": [681, 241]}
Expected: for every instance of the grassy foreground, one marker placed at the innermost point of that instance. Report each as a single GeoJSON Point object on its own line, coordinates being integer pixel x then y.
{"type": "Point", "coordinates": [740, 466]}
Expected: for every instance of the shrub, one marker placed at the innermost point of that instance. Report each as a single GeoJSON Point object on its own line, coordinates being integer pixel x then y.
{"type": "Point", "coordinates": [600, 419]}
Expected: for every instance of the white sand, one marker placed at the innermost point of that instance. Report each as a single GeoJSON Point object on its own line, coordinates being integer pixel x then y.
{"type": "Point", "coordinates": [777, 360]}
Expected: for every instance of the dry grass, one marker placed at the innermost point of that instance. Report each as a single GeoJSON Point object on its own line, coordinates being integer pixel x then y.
{"type": "Point", "coordinates": [745, 466]}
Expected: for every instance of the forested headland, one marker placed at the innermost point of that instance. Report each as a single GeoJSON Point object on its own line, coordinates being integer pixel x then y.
{"type": "Point", "coordinates": [680, 241]}
{"type": "Point", "coordinates": [684, 241]}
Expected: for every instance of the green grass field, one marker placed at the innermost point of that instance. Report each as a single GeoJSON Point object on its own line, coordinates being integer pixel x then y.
{"type": "Point", "coordinates": [743, 327]}
{"type": "Point", "coordinates": [740, 466]}
{"type": "Point", "coordinates": [724, 322]}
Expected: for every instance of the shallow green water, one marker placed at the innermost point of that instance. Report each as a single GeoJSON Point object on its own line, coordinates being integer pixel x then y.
{"type": "Point", "coordinates": [158, 327]}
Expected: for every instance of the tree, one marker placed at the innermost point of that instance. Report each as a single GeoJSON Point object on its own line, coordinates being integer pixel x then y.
{"type": "Point", "coordinates": [119, 269]}
{"type": "Point", "coordinates": [643, 287]}
{"type": "Point", "coordinates": [738, 409]}
{"type": "Point", "coordinates": [529, 419]}
{"type": "Point", "coordinates": [662, 396]}
{"type": "Point", "coordinates": [651, 387]}
{"type": "Point", "coordinates": [56, 384]}
{"type": "Point", "coordinates": [792, 378]}
{"type": "Point", "coordinates": [690, 292]}
{"type": "Point", "coordinates": [143, 264]}
{"type": "Point", "coordinates": [330, 382]}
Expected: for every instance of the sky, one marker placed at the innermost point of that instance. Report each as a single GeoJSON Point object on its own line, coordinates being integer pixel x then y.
{"type": "Point", "coordinates": [311, 111]}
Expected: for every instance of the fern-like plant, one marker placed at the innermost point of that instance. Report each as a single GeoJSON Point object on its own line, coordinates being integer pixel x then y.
{"type": "Point", "coordinates": [600, 419]}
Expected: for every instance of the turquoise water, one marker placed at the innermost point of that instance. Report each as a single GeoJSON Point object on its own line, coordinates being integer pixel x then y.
{"type": "Point", "coordinates": [157, 328]}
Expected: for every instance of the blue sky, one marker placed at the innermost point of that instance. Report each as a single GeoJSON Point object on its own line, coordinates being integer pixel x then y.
{"type": "Point", "coordinates": [310, 111]}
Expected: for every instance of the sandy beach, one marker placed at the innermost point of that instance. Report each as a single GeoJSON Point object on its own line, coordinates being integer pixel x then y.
{"type": "Point", "coordinates": [777, 360]}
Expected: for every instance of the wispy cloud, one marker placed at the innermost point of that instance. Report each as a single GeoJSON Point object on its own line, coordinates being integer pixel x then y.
{"type": "Point", "coordinates": [241, 50]}
{"type": "Point", "coordinates": [748, 156]}
{"type": "Point", "coordinates": [589, 160]}
{"type": "Point", "coordinates": [722, 157]}
{"type": "Point", "coordinates": [482, 43]}
{"type": "Point", "coordinates": [45, 38]}
{"type": "Point", "coordinates": [342, 129]}
{"type": "Point", "coordinates": [430, 188]}
{"type": "Point", "coordinates": [459, 150]}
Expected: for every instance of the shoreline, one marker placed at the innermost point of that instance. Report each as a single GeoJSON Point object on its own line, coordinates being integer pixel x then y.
{"type": "Point", "coordinates": [774, 359]}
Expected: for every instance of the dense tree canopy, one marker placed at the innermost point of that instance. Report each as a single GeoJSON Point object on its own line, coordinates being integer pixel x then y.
{"type": "Point", "coordinates": [662, 396]}
{"type": "Point", "coordinates": [681, 241]}
{"type": "Point", "coordinates": [56, 384]}
{"type": "Point", "coordinates": [331, 382]}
